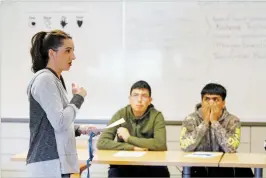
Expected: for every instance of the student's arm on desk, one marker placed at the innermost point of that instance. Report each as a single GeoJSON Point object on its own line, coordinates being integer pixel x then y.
{"type": "Point", "coordinates": [228, 138]}
{"type": "Point", "coordinates": [158, 143]}
{"type": "Point", "coordinates": [106, 140]}
{"type": "Point", "coordinates": [191, 133]}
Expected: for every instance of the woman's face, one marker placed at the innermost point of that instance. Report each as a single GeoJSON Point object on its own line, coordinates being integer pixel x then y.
{"type": "Point", "coordinates": [64, 55]}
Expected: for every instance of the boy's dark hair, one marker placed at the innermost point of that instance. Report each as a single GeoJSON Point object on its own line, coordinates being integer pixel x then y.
{"type": "Point", "coordinates": [141, 84]}
{"type": "Point", "coordinates": [214, 89]}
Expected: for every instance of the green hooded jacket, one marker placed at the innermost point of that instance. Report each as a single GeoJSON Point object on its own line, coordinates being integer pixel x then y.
{"type": "Point", "coordinates": [149, 131]}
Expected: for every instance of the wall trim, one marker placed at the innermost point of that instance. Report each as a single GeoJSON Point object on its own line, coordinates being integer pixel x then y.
{"type": "Point", "coordinates": [105, 121]}
{"type": "Point", "coordinates": [77, 121]}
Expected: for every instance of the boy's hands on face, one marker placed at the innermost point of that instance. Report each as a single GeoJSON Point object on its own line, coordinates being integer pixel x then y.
{"type": "Point", "coordinates": [206, 111]}
{"type": "Point", "coordinates": [212, 107]}
{"type": "Point", "coordinates": [216, 113]}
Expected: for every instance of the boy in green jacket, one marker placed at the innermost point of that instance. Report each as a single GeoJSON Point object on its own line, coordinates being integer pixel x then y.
{"type": "Point", "coordinates": [144, 129]}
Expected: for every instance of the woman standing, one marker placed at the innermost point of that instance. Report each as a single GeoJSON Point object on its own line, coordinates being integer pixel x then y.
{"type": "Point", "coordinates": [52, 148]}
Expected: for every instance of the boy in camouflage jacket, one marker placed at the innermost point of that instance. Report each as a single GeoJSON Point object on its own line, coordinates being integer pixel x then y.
{"type": "Point", "coordinates": [211, 128]}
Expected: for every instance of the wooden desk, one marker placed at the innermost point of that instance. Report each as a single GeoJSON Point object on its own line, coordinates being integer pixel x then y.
{"type": "Point", "coordinates": [167, 158]}
{"type": "Point", "coordinates": [81, 145]}
{"type": "Point", "coordinates": [22, 157]}
{"type": "Point", "coordinates": [82, 156]}
{"type": "Point", "coordinates": [247, 160]}
{"type": "Point", "coordinates": [162, 158]}
{"type": "Point", "coordinates": [19, 157]}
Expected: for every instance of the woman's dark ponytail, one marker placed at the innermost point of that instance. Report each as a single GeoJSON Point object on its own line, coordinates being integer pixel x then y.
{"type": "Point", "coordinates": [39, 58]}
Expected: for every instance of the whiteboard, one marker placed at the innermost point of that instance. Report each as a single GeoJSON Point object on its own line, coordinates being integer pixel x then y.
{"type": "Point", "coordinates": [176, 46]}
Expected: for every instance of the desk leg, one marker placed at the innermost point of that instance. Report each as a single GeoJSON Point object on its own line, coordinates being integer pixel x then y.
{"type": "Point", "coordinates": [186, 172]}
{"type": "Point", "coordinates": [258, 172]}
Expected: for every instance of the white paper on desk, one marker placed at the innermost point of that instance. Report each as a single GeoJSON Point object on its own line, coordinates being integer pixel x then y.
{"type": "Point", "coordinates": [201, 155]}
{"type": "Point", "coordinates": [129, 153]}
{"type": "Point", "coordinates": [120, 121]}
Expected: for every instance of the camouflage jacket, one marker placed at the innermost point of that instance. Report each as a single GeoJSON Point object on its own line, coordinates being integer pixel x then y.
{"type": "Point", "coordinates": [222, 136]}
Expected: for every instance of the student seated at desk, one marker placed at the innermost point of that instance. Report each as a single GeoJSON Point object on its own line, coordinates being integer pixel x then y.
{"type": "Point", "coordinates": [212, 128]}
{"type": "Point", "coordinates": [144, 129]}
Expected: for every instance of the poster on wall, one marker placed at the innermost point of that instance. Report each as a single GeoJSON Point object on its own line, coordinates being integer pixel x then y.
{"type": "Point", "coordinates": [47, 21]}
{"type": "Point", "coordinates": [32, 21]}
{"type": "Point", "coordinates": [63, 21]}
{"type": "Point", "coordinates": [51, 22]}
{"type": "Point", "coordinates": [79, 21]}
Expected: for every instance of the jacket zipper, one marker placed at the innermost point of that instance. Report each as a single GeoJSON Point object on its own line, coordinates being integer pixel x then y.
{"type": "Point", "coordinates": [210, 135]}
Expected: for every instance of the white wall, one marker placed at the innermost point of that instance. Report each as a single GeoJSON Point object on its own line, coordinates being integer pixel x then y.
{"type": "Point", "coordinates": [15, 137]}
{"type": "Point", "coordinates": [177, 46]}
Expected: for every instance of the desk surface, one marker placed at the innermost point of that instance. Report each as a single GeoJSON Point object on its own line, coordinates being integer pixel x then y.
{"type": "Point", "coordinates": [252, 160]}
{"type": "Point", "coordinates": [169, 158]}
